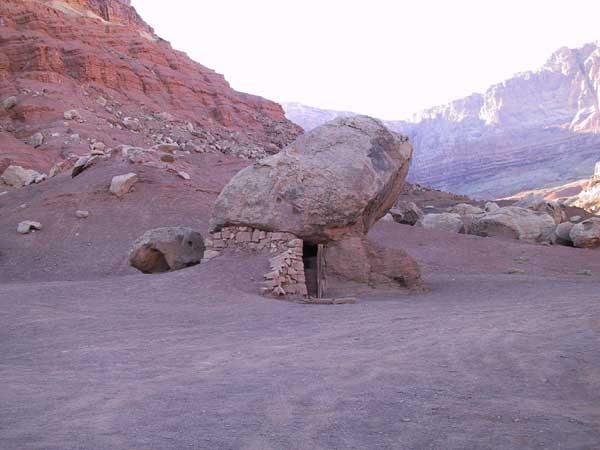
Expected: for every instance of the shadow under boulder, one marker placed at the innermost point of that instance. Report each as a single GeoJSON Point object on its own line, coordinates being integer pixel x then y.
{"type": "Point", "coordinates": [166, 249]}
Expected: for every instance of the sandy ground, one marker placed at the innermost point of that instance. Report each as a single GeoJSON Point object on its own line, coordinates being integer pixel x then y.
{"type": "Point", "coordinates": [97, 356]}
{"type": "Point", "coordinates": [196, 360]}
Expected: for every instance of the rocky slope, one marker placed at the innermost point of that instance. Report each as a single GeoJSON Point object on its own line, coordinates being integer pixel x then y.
{"type": "Point", "coordinates": [538, 129]}
{"type": "Point", "coordinates": [127, 85]}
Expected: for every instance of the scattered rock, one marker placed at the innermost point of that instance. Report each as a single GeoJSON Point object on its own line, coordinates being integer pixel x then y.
{"type": "Point", "coordinates": [407, 213]}
{"type": "Point", "coordinates": [36, 140]}
{"type": "Point", "coordinates": [132, 124]}
{"type": "Point", "coordinates": [28, 226]}
{"type": "Point", "coordinates": [165, 116]}
{"type": "Point", "coordinates": [72, 114]}
{"type": "Point", "coordinates": [122, 184]}
{"type": "Point", "coordinates": [449, 222]}
{"type": "Point", "coordinates": [166, 249]}
{"type": "Point", "coordinates": [83, 163]}
{"type": "Point", "coordinates": [337, 179]}
{"type": "Point", "coordinates": [9, 102]}
{"type": "Point", "coordinates": [464, 209]}
{"type": "Point", "coordinates": [101, 101]}
{"type": "Point", "coordinates": [575, 219]}
{"type": "Point", "coordinates": [184, 175]}
{"type": "Point", "coordinates": [514, 271]}
{"type": "Point", "coordinates": [515, 223]}
{"type": "Point", "coordinates": [586, 234]}
{"type": "Point", "coordinates": [98, 146]}
{"type": "Point", "coordinates": [17, 176]}
{"type": "Point", "coordinates": [190, 127]}
{"type": "Point", "coordinates": [82, 214]}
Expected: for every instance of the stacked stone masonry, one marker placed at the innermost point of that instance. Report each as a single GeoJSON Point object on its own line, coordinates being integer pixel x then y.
{"type": "Point", "coordinates": [286, 277]}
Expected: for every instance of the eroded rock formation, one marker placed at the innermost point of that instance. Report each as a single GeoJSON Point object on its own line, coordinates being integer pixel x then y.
{"type": "Point", "coordinates": [127, 85]}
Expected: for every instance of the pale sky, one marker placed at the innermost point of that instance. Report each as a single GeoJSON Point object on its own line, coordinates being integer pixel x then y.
{"type": "Point", "coordinates": [384, 58]}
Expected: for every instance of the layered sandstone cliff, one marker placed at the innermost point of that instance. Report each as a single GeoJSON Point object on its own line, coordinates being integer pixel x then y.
{"type": "Point", "coordinates": [127, 84]}
{"type": "Point", "coordinates": [537, 129]}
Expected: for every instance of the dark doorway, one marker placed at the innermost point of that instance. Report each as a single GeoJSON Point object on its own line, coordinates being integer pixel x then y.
{"type": "Point", "coordinates": [312, 255]}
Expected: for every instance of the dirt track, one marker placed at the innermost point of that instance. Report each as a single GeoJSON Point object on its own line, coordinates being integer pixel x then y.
{"type": "Point", "coordinates": [196, 360]}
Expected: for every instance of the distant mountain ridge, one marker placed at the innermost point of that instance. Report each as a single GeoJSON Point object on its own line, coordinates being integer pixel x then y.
{"type": "Point", "coordinates": [538, 129]}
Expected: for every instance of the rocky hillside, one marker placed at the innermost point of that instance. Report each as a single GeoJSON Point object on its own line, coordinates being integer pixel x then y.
{"type": "Point", "coordinates": [126, 85]}
{"type": "Point", "coordinates": [537, 129]}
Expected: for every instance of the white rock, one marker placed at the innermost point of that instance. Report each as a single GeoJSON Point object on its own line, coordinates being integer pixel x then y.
{"type": "Point", "coordinates": [27, 226]}
{"type": "Point", "coordinates": [132, 124]}
{"type": "Point", "coordinates": [491, 206]}
{"type": "Point", "coordinates": [9, 102]}
{"type": "Point", "coordinates": [36, 140]}
{"type": "Point", "coordinates": [17, 176]}
{"type": "Point", "coordinates": [82, 214]}
{"type": "Point", "coordinates": [72, 114]}
{"type": "Point", "coordinates": [184, 175]}
{"type": "Point", "coordinates": [122, 184]}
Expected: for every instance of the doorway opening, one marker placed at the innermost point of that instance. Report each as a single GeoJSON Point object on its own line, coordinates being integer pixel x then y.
{"type": "Point", "coordinates": [312, 257]}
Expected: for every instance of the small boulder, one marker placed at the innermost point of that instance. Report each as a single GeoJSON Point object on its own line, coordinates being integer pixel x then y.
{"type": "Point", "coordinates": [83, 163]}
{"type": "Point", "coordinates": [406, 212]}
{"type": "Point", "coordinates": [72, 114]}
{"type": "Point", "coordinates": [17, 176]}
{"type": "Point", "coordinates": [166, 249]}
{"type": "Point", "coordinates": [562, 234]}
{"type": "Point", "coordinates": [28, 226]}
{"type": "Point", "coordinates": [122, 184]}
{"type": "Point", "coordinates": [464, 209]}
{"type": "Point", "coordinates": [80, 214]}
{"type": "Point", "coordinates": [132, 124]}
{"type": "Point", "coordinates": [9, 102]}
{"type": "Point", "coordinates": [586, 234]}
{"type": "Point", "coordinates": [449, 222]}
{"type": "Point", "coordinates": [186, 176]}
{"type": "Point", "coordinates": [59, 167]}
{"type": "Point", "coordinates": [515, 223]}
{"type": "Point", "coordinates": [36, 140]}
{"type": "Point", "coordinates": [575, 219]}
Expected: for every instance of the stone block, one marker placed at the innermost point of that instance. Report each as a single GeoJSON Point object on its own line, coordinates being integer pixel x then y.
{"type": "Point", "coordinates": [243, 236]}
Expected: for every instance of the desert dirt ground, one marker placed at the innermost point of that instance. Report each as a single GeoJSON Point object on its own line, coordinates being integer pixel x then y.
{"type": "Point", "coordinates": [197, 360]}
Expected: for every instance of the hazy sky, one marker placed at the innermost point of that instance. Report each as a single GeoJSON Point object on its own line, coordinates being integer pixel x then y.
{"type": "Point", "coordinates": [381, 57]}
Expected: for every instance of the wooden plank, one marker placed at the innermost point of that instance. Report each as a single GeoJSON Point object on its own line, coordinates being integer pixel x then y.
{"type": "Point", "coordinates": [330, 301]}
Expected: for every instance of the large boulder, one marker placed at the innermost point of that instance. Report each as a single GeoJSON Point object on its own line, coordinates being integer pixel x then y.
{"type": "Point", "coordinates": [515, 223]}
{"type": "Point", "coordinates": [166, 249]}
{"type": "Point", "coordinates": [586, 234]}
{"type": "Point", "coordinates": [562, 234]}
{"type": "Point", "coordinates": [448, 222]}
{"type": "Point", "coordinates": [540, 204]}
{"type": "Point", "coordinates": [358, 259]}
{"type": "Point", "coordinates": [338, 179]}
{"type": "Point", "coordinates": [17, 176]}
{"type": "Point", "coordinates": [407, 213]}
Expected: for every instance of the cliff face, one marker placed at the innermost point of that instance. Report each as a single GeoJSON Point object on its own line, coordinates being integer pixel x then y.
{"type": "Point", "coordinates": [101, 58]}
{"type": "Point", "coordinates": [537, 129]}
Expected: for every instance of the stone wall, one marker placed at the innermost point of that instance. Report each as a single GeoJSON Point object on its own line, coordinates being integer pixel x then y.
{"type": "Point", "coordinates": [286, 277]}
